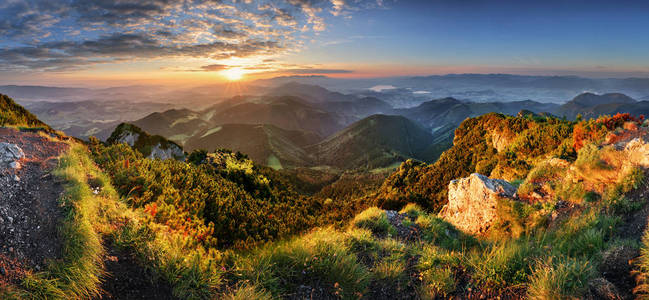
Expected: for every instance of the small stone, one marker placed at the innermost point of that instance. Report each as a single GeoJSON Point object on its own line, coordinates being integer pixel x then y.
{"type": "Point", "coordinates": [3, 271]}
{"type": "Point", "coordinates": [11, 249]}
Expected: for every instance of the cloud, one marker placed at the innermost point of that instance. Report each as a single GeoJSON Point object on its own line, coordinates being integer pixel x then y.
{"type": "Point", "coordinates": [62, 35]}
{"type": "Point", "coordinates": [214, 67]}
{"type": "Point", "coordinates": [316, 71]}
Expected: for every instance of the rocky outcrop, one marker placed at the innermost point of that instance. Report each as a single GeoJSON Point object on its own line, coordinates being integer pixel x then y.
{"type": "Point", "coordinates": [500, 140]}
{"type": "Point", "coordinates": [10, 156]}
{"type": "Point", "coordinates": [151, 146]}
{"type": "Point", "coordinates": [637, 151]}
{"type": "Point", "coordinates": [170, 152]}
{"type": "Point", "coordinates": [472, 202]}
{"type": "Point", "coordinates": [128, 137]}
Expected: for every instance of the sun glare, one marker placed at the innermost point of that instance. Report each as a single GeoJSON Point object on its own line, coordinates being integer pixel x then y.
{"type": "Point", "coordinates": [233, 74]}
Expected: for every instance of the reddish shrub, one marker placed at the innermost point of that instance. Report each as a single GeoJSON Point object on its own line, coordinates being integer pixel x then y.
{"type": "Point", "coordinates": [619, 120]}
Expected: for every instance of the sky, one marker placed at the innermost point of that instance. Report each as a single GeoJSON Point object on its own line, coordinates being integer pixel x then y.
{"type": "Point", "coordinates": [109, 42]}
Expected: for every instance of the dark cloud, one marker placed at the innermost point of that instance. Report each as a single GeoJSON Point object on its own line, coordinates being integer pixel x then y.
{"type": "Point", "coordinates": [58, 35]}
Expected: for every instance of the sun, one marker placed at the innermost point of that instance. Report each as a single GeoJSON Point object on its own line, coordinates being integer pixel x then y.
{"type": "Point", "coordinates": [234, 74]}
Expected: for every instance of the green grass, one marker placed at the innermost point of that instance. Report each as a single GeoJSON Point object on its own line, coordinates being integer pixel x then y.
{"type": "Point", "coordinates": [374, 219]}
{"type": "Point", "coordinates": [504, 264]}
{"type": "Point", "coordinates": [560, 278]}
{"type": "Point", "coordinates": [318, 259]}
{"type": "Point", "coordinates": [436, 231]}
{"type": "Point", "coordinates": [248, 292]}
{"type": "Point", "coordinates": [191, 270]}
{"type": "Point", "coordinates": [437, 267]}
{"type": "Point", "coordinates": [642, 289]}
{"type": "Point", "coordinates": [77, 274]}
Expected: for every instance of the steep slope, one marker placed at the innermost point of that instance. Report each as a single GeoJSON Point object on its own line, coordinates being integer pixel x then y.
{"type": "Point", "coordinates": [265, 144]}
{"type": "Point", "coordinates": [376, 141]}
{"type": "Point", "coordinates": [286, 112]}
{"type": "Point", "coordinates": [152, 146]}
{"type": "Point", "coordinates": [12, 114]}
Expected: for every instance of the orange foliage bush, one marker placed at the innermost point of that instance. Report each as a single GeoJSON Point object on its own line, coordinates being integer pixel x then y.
{"type": "Point", "coordinates": [591, 131]}
{"type": "Point", "coordinates": [619, 119]}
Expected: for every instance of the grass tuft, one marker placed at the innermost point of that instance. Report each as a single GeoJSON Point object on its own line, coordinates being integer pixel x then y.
{"type": "Point", "coordinates": [376, 220]}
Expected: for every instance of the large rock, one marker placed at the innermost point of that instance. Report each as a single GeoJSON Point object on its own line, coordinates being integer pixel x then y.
{"type": "Point", "coordinates": [637, 151]}
{"type": "Point", "coordinates": [10, 156]}
{"type": "Point", "coordinates": [472, 202]}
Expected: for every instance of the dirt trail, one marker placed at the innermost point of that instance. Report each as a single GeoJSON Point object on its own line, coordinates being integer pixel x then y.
{"type": "Point", "coordinates": [29, 212]}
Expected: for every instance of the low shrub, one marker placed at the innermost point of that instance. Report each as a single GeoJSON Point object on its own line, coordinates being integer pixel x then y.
{"type": "Point", "coordinates": [560, 278]}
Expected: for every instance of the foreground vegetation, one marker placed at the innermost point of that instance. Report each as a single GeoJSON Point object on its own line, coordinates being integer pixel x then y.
{"type": "Point", "coordinates": [219, 226]}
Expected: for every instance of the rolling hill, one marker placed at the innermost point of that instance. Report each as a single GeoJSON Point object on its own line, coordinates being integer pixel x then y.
{"type": "Point", "coordinates": [265, 144]}
{"type": "Point", "coordinates": [376, 141]}
{"type": "Point", "coordinates": [286, 112]}
{"type": "Point", "coordinates": [309, 92]}
{"type": "Point", "coordinates": [175, 124]}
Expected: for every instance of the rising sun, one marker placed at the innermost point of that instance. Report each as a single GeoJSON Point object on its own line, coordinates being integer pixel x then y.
{"type": "Point", "coordinates": [234, 74]}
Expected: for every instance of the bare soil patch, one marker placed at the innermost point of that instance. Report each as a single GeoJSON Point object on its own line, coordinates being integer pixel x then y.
{"type": "Point", "coordinates": [29, 210]}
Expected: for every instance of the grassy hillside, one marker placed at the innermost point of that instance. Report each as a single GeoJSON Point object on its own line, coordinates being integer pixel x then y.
{"type": "Point", "coordinates": [376, 141]}
{"type": "Point", "coordinates": [177, 124]}
{"type": "Point", "coordinates": [287, 112]}
{"type": "Point", "coordinates": [12, 114]}
{"type": "Point", "coordinates": [265, 144]}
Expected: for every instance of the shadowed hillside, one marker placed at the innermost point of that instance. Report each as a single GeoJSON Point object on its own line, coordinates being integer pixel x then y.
{"type": "Point", "coordinates": [375, 141]}
{"type": "Point", "coordinates": [265, 144]}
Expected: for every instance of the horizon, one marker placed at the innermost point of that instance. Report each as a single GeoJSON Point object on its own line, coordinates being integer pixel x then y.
{"type": "Point", "coordinates": [198, 42]}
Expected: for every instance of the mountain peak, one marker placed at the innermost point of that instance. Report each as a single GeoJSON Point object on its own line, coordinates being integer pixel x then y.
{"type": "Point", "coordinates": [592, 99]}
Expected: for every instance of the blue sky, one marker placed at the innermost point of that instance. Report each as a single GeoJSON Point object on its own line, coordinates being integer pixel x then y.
{"type": "Point", "coordinates": [208, 40]}
{"type": "Point", "coordinates": [579, 36]}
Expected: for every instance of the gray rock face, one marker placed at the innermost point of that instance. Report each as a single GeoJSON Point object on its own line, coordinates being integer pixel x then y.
{"type": "Point", "coordinates": [129, 138]}
{"type": "Point", "coordinates": [171, 152]}
{"type": "Point", "coordinates": [10, 156]}
{"type": "Point", "coordinates": [472, 202]}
